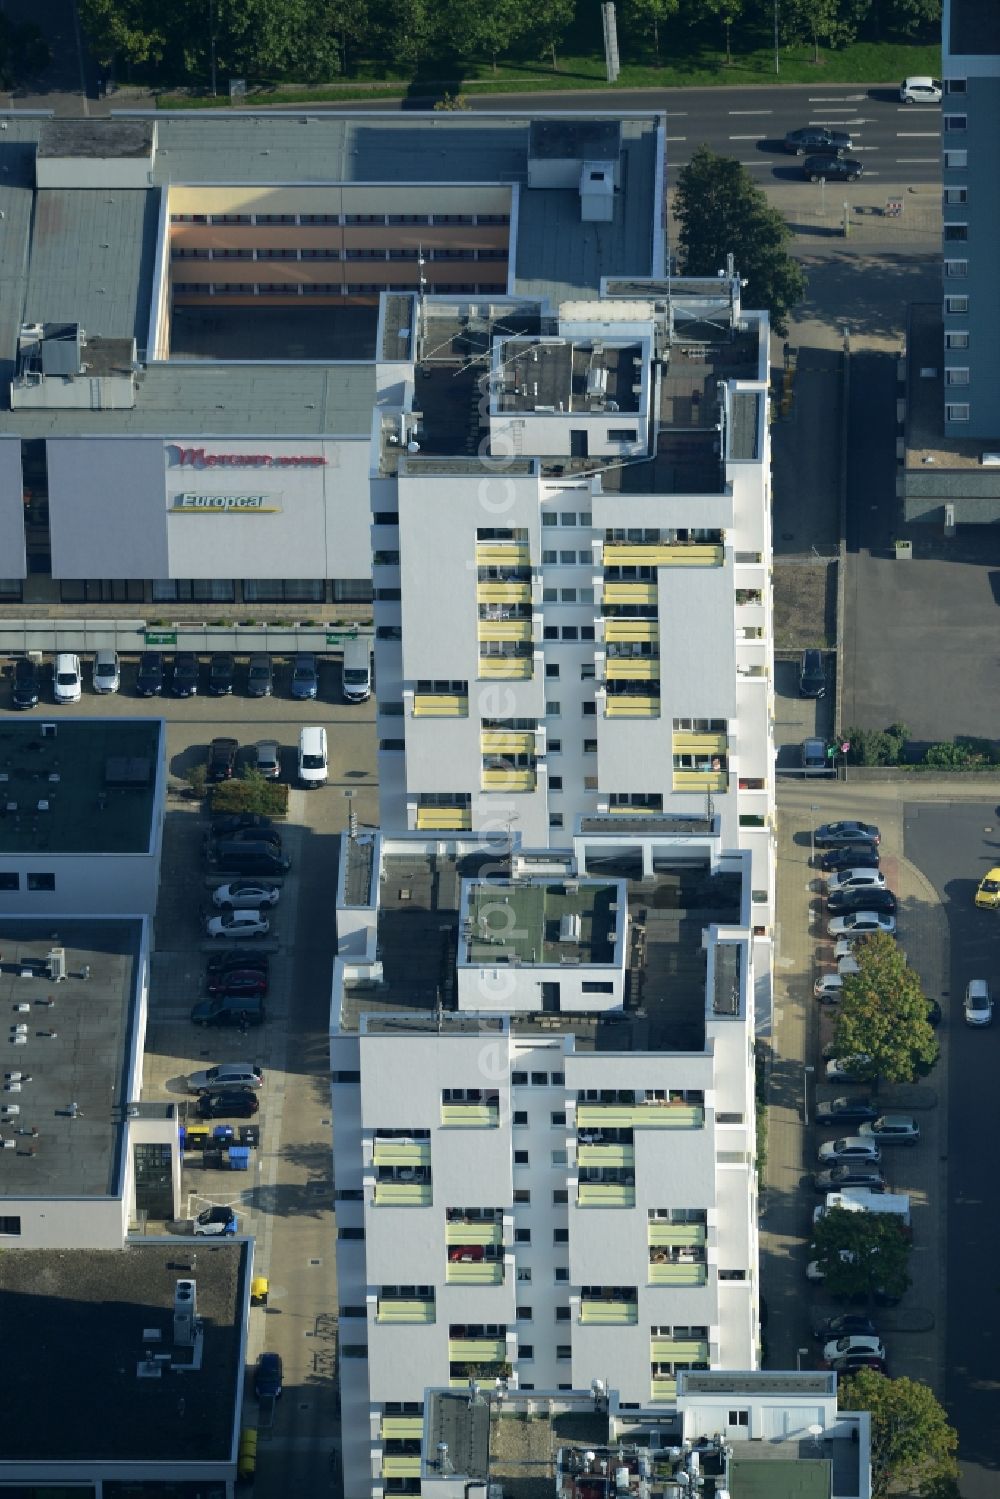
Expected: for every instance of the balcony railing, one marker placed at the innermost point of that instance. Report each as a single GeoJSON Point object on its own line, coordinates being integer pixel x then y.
{"type": "Point", "coordinates": [605, 1195]}
{"type": "Point", "coordinates": [401, 1465]}
{"type": "Point", "coordinates": [594, 1313]}
{"type": "Point", "coordinates": [678, 1351]}
{"type": "Point", "coordinates": [663, 554]}
{"type": "Point", "coordinates": [403, 1194]}
{"type": "Point", "coordinates": [678, 1273]}
{"type": "Point", "coordinates": [440, 705]}
{"type": "Point", "coordinates": [471, 1116]}
{"type": "Point", "coordinates": [677, 1234]}
{"type": "Point", "coordinates": [506, 668]}
{"type": "Point", "coordinates": [507, 742]}
{"type": "Point", "coordinates": [477, 1350]}
{"type": "Point", "coordinates": [474, 1273]}
{"type": "Point", "coordinates": [518, 592]}
{"type": "Point", "coordinates": [631, 705]}
{"type": "Point", "coordinates": [441, 819]}
{"type": "Point", "coordinates": [629, 593]}
{"type": "Point", "coordinates": [502, 554]}
{"type": "Point", "coordinates": [605, 1155]}
{"type": "Point", "coordinates": [699, 744]}
{"type": "Point", "coordinates": [632, 668]}
{"type": "Point", "coordinates": [653, 1115]}
{"type": "Point", "coordinates": [458, 1231]}
{"type": "Point", "coordinates": [401, 1152]}
{"type": "Point", "coordinates": [401, 1428]}
{"type": "Point", "coordinates": [505, 629]}
{"type": "Point", "coordinates": [631, 630]}
{"type": "Point", "coordinates": [701, 780]}
{"type": "Point", "coordinates": [509, 780]}
{"type": "Point", "coordinates": [393, 1309]}
{"type": "Point", "coordinates": [663, 1389]}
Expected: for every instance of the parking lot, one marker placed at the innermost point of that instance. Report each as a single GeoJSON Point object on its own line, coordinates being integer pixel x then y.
{"type": "Point", "coordinates": [798, 718]}
{"type": "Point", "coordinates": [286, 1198]}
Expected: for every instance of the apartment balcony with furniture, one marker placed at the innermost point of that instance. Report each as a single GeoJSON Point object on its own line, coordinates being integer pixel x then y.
{"type": "Point", "coordinates": [629, 592]}
{"type": "Point", "coordinates": [605, 1188]}
{"type": "Point", "coordinates": [503, 554]}
{"type": "Point", "coordinates": [605, 1148]}
{"type": "Point", "coordinates": [632, 668]}
{"type": "Point", "coordinates": [623, 1110]}
{"type": "Point", "coordinates": [508, 742]}
{"type": "Point", "coordinates": [509, 591]}
{"type": "Point", "coordinates": [629, 700]}
{"type": "Point", "coordinates": [514, 664]}
{"type": "Point", "coordinates": [506, 777]}
{"type": "Point", "coordinates": [403, 1187]}
{"type": "Point", "coordinates": [396, 1150]}
{"type": "Point", "coordinates": [609, 1306]}
{"type": "Point", "coordinates": [623, 629]}
{"type": "Point", "coordinates": [496, 627]}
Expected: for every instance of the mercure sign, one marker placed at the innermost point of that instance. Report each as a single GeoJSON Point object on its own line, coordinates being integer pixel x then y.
{"type": "Point", "coordinates": [198, 458]}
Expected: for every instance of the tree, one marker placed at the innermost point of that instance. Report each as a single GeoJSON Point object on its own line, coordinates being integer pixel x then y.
{"type": "Point", "coordinates": [861, 1254]}
{"type": "Point", "coordinates": [548, 23]}
{"type": "Point", "coordinates": [832, 21]}
{"type": "Point", "coordinates": [726, 11]}
{"type": "Point", "coordinates": [912, 1445]}
{"type": "Point", "coordinates": [720, 210]}
{"type": "Point", "coordinates": [647, 16]}
{"type": "Point", "coordinates": [478, 26]}
{"type": "Point", "coordinates": [23, 51]}
{"type": "Point", "coordinates": [883, 1013]}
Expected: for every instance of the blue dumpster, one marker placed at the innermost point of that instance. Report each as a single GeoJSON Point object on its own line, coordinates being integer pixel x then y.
{"type": "Point", "coordinates": [239, 1158]}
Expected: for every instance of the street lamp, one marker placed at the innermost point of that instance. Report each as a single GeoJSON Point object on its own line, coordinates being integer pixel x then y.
{"type": "Point", "coordinates": [777, 55]}
{"type": "Point", "coordinates": [806, 1071]}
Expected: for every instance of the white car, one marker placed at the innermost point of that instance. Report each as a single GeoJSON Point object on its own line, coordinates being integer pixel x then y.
{"type": "Point", "coordinates": [978, 1003]}
{"type": "Point", "coordinates": [920, 91]}
{"type": "Point", "coordinates": [856, 1345]}
{"type": "Point", "coordinates": [67, 681]}
{"type": "Point", "coordinates": [245, 895]}
{"type": "Point", "coordinates": [861, 924]}
{"type": "Point", "coordinates": [849, 1148]}
{"type": "Point", "coordinates": [107, 672]}
{"type": "Point", "coordinates": [829, 988]}
{"type": "Point", "coordinates": [857, 879]}
{"type": "Point", "coordinates": [237, 924]}
{"type": "Point", "coordinates": [846, 1069]}
{"type": "Point", "coordinates": [216, 1221]}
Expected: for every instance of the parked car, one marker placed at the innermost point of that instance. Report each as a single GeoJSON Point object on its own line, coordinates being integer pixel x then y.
{"type": "Point", "coordinates": [107, 676]}
{"type": "Point", "coordinates": [861, 924]}
{"type": "Point", "coordinates": [313, 763]}
{"type": "Point", "coordinates": [149, 677]}
{"type": "Point", "coordinates": [222, 754]}
{"type": "Point", "coordinates": [268, 1377]}
{"type": "Point", "coordinates": [854, 1345]}
{"type": "Point", "coordinates": [856, 1323]}
{"type": "Point", "coordinates": [245, 895]}
{"type": "Point", "coordinates": [825, 168]}
{"type": "Point", "coordinates": [920, 91]}
{"type": "Point", "coordinates": [818, 138]}
{"type": "Point", "coordinates": [242, 957]}
{"type": "Point", "coordinates": [846, 834]}
{"type": "Point", "coordinates": [233, 824]}
{"type": "Point", "coordinates": [229, 1009]}
{"type": "Point", "coordinates": [260, 677]}
{"type": "Point", "coordinates": [934, 1013]}
{"type": "Point", "coordinates": [185, 678]}
{"type": "Point", "coordinates": [829, 988]}
{"type": "Point", "coordinates": [225, 1075]}
{"type": "Point", "coordinates": [67, 679]}
{"type": "Point", "coordinates": [305, 676]}
{"type": "Point", "coordinates": [221, 671]}
{"type": "Point", "coordinates": [891, 1129]}
{"type": "Point", "coordinates": [812, 677]}
{"type": "Point", "coordinates": [845, 1367]}
{"type": "Point", "coordinates": [24, 692]}
{"type": "Point", "coordinates": [216, 1220]}
{"type": "Point", "coordinates": [856, 878]}
{"type": "Point", "coordinates": [813, 755]}
{"type": "Point", "coordinates": [978, 1003]}
{"type": "Point", "coordinates": [237, 924]}
{"type": "Point", "coordinates": [988, 894]}
{"type": "Point", "coordinates": [854, 856]}
{"type": "Point", "coordinates": [861, 899]}
{"type": "Point", "coordinates": [849, 1148]}
{"type": "Point", "coordinates": [229, 1103]}
{"type": "Point", "coordinates": [852, 1174]}
{"type": "Point", "coordinates": [845, 1111]}
{"type": "Point", "coordinates": [249, 855]}
{"type": "Point", "coordinates": [236, 981]}
{"type": "Point", "coordinates": [846, 1069]}
{"type": "Point", "coordinates": [267, 759]}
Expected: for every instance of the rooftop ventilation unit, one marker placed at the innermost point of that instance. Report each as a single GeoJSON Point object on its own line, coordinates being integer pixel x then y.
{"type": "Point", "coordinates": [49, 730]}
{"type": "Point", "coordinates": [570, 927]}
{"type": "Point", "coordinates": [55, 964]}
{"type": "Point", "coordinates": [991, 460]}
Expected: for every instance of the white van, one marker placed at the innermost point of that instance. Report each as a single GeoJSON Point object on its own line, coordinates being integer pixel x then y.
{"type": "Point", "coordinates": [357, 670]}
{"type": "Point", "coordinates": [312, 757]}
{"type": "Point", "coordinates": [862, 1200]}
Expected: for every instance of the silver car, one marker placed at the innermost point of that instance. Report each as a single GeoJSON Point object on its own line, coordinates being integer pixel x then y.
{"type": "Point", "coordinates": [245, 895]}
{"type": "Point", "coordinates": [268, 759]}
{"type": "Point", "coordinates": [107, 672]}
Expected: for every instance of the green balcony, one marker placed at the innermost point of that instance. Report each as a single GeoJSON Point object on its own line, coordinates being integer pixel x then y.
{"type": "Point", "coordinates": [471, 1115]}
{"type": "Point", "coordinates": [663, 1390]}
{"type": "Point", "coordinates": [398, 1309]}
{"type": "Point", "coordinates": [401, 1465]}
{"type": "Point", "coordinates": [605, 1155]}
{"type": "Point", "coordinates": [609, 1313]}
{"type": "Point", "coordinates": [677, 1235]}
{"type": "Point", "coordinates": [678, 1273]}
{"type": "Point", "coordinates": [458, 1231]}
{"type": "Point", "coordinates": [402, 1428]}
{"type": "Point", "coordinates": [678, 1351]}
{"type": "Point", "coordinates": [477, 1350]}
{"type": "Point", "coordinates": [654, 1115]}
{"type": "Point", "coordinates": [403, 1194]}
{"type": "Point", "coordinates": [605, 1195]}
{"type": "Point", "coordinates": [402, 1152]}
{"type": "Point", "coordinates": [475, 1273]}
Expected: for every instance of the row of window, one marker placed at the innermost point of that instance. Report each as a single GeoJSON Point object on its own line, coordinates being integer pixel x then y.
{"type": "Point", "coordinates": [340, 218]}
{"type": "Point", "coordinates": [182, 252]}
{"type": "Point", "coordinates": [11, 881]}
{"type": "Point", "coordinates": [325, 288]}
{"type": "Point", "coordinates": [214, 591]}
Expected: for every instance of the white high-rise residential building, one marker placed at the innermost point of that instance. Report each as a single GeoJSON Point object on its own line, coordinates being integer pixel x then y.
{"type": "Point", "coordinates": [544, 1118]}
{"type": "Point", "coordinates": [573, 616]}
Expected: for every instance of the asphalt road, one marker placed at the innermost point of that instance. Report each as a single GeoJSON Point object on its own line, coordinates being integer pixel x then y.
{"type": "Point", "coordinates": [954, 843]}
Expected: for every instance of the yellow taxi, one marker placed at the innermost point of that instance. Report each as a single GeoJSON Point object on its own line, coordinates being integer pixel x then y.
{"type": "Point", "coordinates": [988, 894]}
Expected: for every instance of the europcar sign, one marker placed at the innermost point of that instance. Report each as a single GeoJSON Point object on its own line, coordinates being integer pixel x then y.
{"type": "Point", "coordinates": [225, 504]}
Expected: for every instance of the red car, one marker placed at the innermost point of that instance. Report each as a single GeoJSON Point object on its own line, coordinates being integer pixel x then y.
{"type": "Point", "coordinates": [237, 981]}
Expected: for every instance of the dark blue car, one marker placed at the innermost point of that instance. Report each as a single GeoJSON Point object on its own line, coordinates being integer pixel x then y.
{"type": "Point", "coordinates": [268, 1377]}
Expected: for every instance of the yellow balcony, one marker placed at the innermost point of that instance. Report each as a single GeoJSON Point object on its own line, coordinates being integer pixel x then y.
{"type": "Point", "coordinates": [457, 1232]}
{"type": "Point", "coordinates": [630, 630]}
{"type": "Point", "coordinates": [506, 668]}
{"type": "Point", "coordinates": [662, 554]}
{"type": "Point", "coordinates": [681, 1273]}
{"type": "Point", "coordinates": [471, 1116]}
{"type": "Point", "coordinates": [700, 744]}
{"type": "Point", "coordinates": [403, 1194]}
{"type": "Point", "coordinates": [503, 593]}
{"type": "Point", "coordinates": [701, 780]}
{"type": "Point", "coordinates": [631, 706]}
{"type": "Point", "coordinates": [605, 1155]}
{"type": "Point", "coordinates": [629, 593]}
{"type": "Point", "coordinates": [608, 1313]}
{"type": "Point", "coordinates": [502, 554]}
{"type": "Point", "coordinates": [440, 705]}
{"type": "Point", "coordinates": [477, 1350]}
{"type": "Point", "coordinates": [625, 809]}
{"type": "Point", "coordinates": [405, 1311]}
{"type": "Point", "coordinates": [441, 819]}
{"type": "Point", "coordinates": [475, 1273]}
{"type": "Point", "coordinates": [678, 1351]}
{"type": "Point", "coordinates": [401, 1152]}
{"type": "Point", "coordinates": [401, 1465]}
{"type": "Point", "coordinates": [505, 629]}
{"type": "Point", "coordinates": [605, 1195]}
{"type": "Point", "coordinates": [459, 1383]}
{"type": "Point", "coordinates": [509, 780]}
{"type": "Point", "coordinates": [663, 1389]}
{"type": "Point", "coordinates": [501, 742]}
{"type": "Point", "coordinates": [402, 1428]}
{"type": "Point", "coordinates": [632, 668]}
{"type": "Point", "coordinates": [676, 1235]}
{"type": "Point", "coordinates": [640, 1116]}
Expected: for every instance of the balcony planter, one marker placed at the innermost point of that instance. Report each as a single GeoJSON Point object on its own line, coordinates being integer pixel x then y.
{"type": "Point", "coordinates": [904, 551]}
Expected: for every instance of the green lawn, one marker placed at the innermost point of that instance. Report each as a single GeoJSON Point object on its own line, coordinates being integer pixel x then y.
{"type": "Point", "coordinates": [865, 62]}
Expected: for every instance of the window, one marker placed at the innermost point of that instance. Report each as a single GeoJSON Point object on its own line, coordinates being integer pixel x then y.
{"type": "Point", "coordinates": [956, 375]}
{"type": "Point", "coordinates": [525, 1351]}
{"type": "Point", "coordinates": [588, 672]}
{"type": "Point", "coordinates": [568, 518]}
{"type": "Point", "coordinates": [349, 1194]}
{"type": "Point", "coordinates": [555, 746]}
{"type": "Point", "coordinates": [957, 413]}
{"type": "Point", "coordinates": [9, 881]}
{"type": "Point", "coordinates": [560, 1196]}
{"type": "Point", "coordinates": [567, 595]}
{"type": "Point", "coordinates": [10, 1226]}
{"type": "Point", "coordinates": [283, 590]}
{"type": "Point", "coordinates": [590, 746]}
{"type": "Point", "coordinates": [558, 1079]}
{"type": "Point", "coordinates": [956, 340]}
{"type": "Point", "coordinates": [560, 1236]}
{"type": "Point", "coordinates": [954, 233]}
{"type": "Point", "coordinates": [956, 304]}
{"type": "Point", "coordinates": [954, 86]}
{"type": "Point", "coordinates": [549, 518]}
{"type": "Point", "coordinates": [552, 709]}
{"type": "Point", "coordinates": [623, 434]}
{"type": "Point", "coordinates": [539, 1079]}
{"type": "Point", "coordinates": [594, 986]}
{"type": "Point", "coordinates": [522, 1196]}
{"type": "Point", "coordinates": [350, 1233]}
{"type": "Point", "coordinates": [555, 819]}
{"type": "Point", "coordinates": [519, 1079]}
{"type": "Point", "coordinates": [524, 1313]}
{"type": "Point", "coordinates": [41, 881]}
{"type": "Point", "coordinates": [520, 1118]}
{"type": "Point", "coordinates": [955, 195]}
{"type": "Point", "coordinates": [522, 1236]}
{"type": "Point", "coordinates": [520, 1158]}
{"type": "Point", "coordinates": [550, 632]}
{"type": "Point", "coordinates": [732, 1275]}
{"type": "Point", "coordinates": [353, 1311]}
{"type": "Point", "coordinates": [347, 1077]}
{"type": "Point", "coordinates": [549, 558]}
{"type": "Point", "coordinates": [194, 591]}
{"type": "Point", "coordinates": [738, 1418]}
{"type": "Point", "coordinates": [388, 595]}
{"type": "Point", "coordinates": [386, 518]}
{"type": "Point", "coordinates": [563, 1351]}
{"type": "Point", "coordinates": [956, 159]}
{"type": "Point", "coordinates": [562, 1314]}
{"type": "Point", "coordinates": [589, 710]}
{"type": "Point", "coordinates": [354, 1350]}
{"type": "Point", "coordinates": [555, 783]}
{"type": "Point", "coordinates": [559, 1158]}
{"type": "Point", "coordinates": [386, 559]}
{"type": "Point", "coordinates": [562, 1272]}
{"type": "Point", "coordinates": [568, 559]}
{"type": "Point", "coordinates": [955, 122]}
{"type": "Point", "coordinates": [552, 668]}
{"type": "Point", "coordinates": [587, 631]}
{"type": "Point", "coordinates": [570, 632]}
{"type": "Point", "coordinates": [524, 1274]}
{"type": "Point", "coordinates": [352, 591]}
{"type": "Point", "coordinates": [558, 1118]}
{"type": "Point", "coordinates": [956, 269]}
{"type": "Point", "coordinates": [394, 746]}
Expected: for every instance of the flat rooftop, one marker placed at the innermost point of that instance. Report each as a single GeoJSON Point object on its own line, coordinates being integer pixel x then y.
{"type": "Point", "coordinates": [540, 922]}
{"type": "Point", "coordinates": [89, 788]}
{"type": "Point", "coordinates": [79, 1035]}
{"type": "Point", "coordinates": [569, 376]}
{"type": "Point", "coordinates": [498, 1443]}
{"type": "Point", "coordinates": [80, 1320]}
{"type": "Point", "coordinates": [934, 463]}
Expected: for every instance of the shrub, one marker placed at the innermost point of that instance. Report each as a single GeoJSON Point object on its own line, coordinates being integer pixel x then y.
{"type": "Point", "coordinates": [195, 776]}
{"type": "Point", "coordinates": [251, 793]}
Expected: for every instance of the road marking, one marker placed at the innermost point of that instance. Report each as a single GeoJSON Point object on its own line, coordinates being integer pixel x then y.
{"type": "Point", "coordinates": [751, 111]}
{"type": "Point", "coordinates": [919, 109]}
{"type": "Point", "coordinates": [755, 163]}
{"type": "Point", "coordinates": [917, 135]}
{"type": "Point", "coordinates": [913, 161]}
{"type": "Point", "coordinates": [840, 122]}
{"type": "Point", "coordinates": [676, 137]}
{"type": "Point", "coordinates": [746, 137]}
{"type": "Point", "coordinates": [846, 99]}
